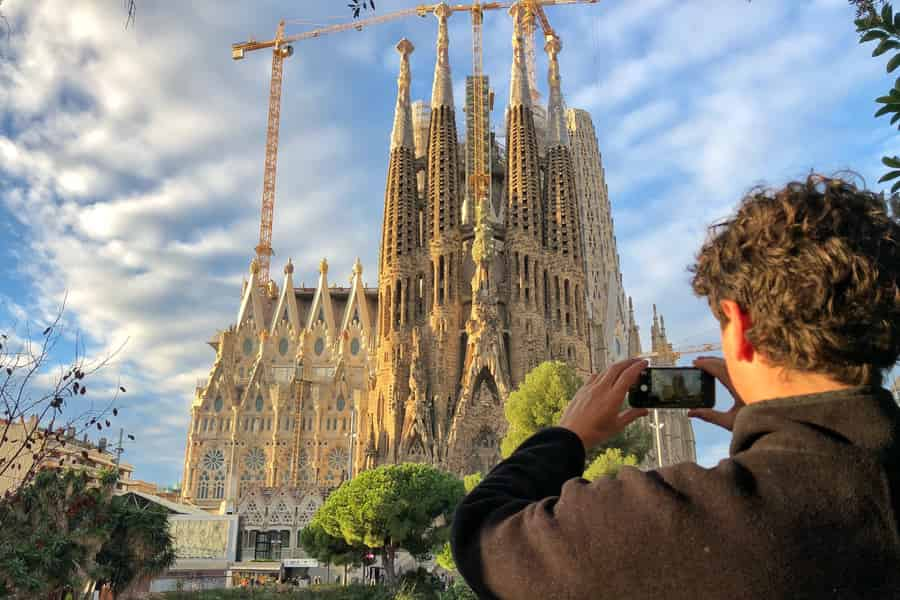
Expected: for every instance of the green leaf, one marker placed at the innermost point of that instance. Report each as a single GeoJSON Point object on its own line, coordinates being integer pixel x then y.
{"type": "Point", "coordinates": [887, 109]}
{"type": "Point", "coordinates": [875, 34]}
{"type": "Point", "coordinates": [895, 118]}
{"type": "Point", "coordinates": [884, 46]}
{"type": "Point", "coordinates": [885, 100]}
{"type": "Point", "coordinates": [889, 175]}
{"type": "Point", "coordinates": [887, 15]}
{"type": "Point", "coordinates": [895, 187]}
{"type": "Point", "coordinates": [896, 22]}
{"type": "Point", "coordinates": [893, 63]}
{"type": "Point", "coordinates": [891, 161]}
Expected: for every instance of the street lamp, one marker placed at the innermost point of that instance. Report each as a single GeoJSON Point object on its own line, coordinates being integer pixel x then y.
{"type": "Point", "coordinates": [657, 426]}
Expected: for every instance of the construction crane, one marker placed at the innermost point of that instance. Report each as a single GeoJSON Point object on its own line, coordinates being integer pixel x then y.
{"type": "Point", "coordinates": [281, 49]}
{"type": "Point", "coordinates": [672, 356]}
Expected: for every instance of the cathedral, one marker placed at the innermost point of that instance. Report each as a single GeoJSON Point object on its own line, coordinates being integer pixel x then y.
{"type": "Point", "coordinates": [310, 385]}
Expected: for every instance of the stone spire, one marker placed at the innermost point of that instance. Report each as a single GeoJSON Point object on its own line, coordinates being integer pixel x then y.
{"type": "Point", "coordinates": [523, 200]}
{"type": "Point", "coordinates": [443, 193]}
{"type": "Point", "coordinates": [442, 88]}
{"type": "Point", "coordinates": [519, 92]}
{"type": "Point", "coordinates": [402, 134]}
{"type": "Point", "coordinates": [557, 131]}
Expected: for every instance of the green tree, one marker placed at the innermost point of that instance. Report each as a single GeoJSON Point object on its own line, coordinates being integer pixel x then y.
{"type": "Point", "coordinates": [393, 507]}
{"type": "Point", "coordinates": [609, 463]}
{"type": "Point", "coordinates": [139, 544]}
{"type": "Point", "coordinates": [52, 531]}
{"type": "Point", "coordinates": [444, 558]}
{"type": "Point", "coordinates": [884, 28]}
{"type": "Point", "coordinates": [540, 401]}
{"type": "Point", "coordinates": [330, 549]}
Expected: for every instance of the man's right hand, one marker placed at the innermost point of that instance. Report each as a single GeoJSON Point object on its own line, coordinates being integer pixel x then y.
{"type": "Point", "coordinates": [716, 368]}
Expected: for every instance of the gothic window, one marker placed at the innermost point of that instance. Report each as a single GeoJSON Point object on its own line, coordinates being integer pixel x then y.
{"type": "Point", "coordinates": [219, 485]}
{"type": "Point", "coordinates": [354, 346]}
{"type": "Point", "coordinates": [340, 402]}
{"type": "Point", "coordinates": [218, 403]}
{"type": "Point", "coordinates": [321, 314]}
{"type": "Point", "coordinates": [203, 486]}
{"type": "Point", "coordinates": [308, 508]}
{"type": "Point", "coordinates": [319, 347]}
{"type": "Point", "coordinates": [255, 459]}
{"type": "Point", "coordinates": [283, 346]}
{"type": "Point", "coordinates": [248, 346]}
{"type": "Point", "coordinates": [259, 403]}
{"type": "Point", "coordinates": [213, 460]}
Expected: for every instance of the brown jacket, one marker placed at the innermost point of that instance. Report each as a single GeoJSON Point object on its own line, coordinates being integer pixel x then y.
{"type": "Point", "coordinates": [805, 507]}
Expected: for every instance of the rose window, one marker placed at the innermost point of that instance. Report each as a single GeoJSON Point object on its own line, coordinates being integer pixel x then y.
{"type": "Point", "coordinates": [337, 458]}
{"type": "Point", "coordinates": [255, 459]}
{"type": "Point", "coordinates": [213, 460]}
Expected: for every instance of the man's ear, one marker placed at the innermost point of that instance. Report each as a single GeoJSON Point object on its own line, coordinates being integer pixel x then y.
{"type": "Point", "coordinates": [738, 324]}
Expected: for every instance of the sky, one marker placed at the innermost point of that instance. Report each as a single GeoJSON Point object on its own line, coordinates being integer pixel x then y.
{"type": "Point", "coordinates": [131, 158]}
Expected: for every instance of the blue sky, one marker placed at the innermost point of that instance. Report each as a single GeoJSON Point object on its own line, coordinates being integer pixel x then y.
{"type": "Point", "coordinates": [131, 160]}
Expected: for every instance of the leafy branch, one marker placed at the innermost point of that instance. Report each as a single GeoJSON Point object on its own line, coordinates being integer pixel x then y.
{"type": "Point", "coordinates": [884, 28]}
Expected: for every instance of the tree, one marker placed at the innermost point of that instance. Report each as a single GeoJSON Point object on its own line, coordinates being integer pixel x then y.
{"type": "Point", "coordinates": [52, 531]}
{"type": "Point", "coordinates": [393, 507]}
{"type": "Point", "coordinates": [331, 549]}
{"type": "Point", "coordinates": [884, 28]}
{"type": "Point", "coordinates": [40, 405]}
{"type": "Point", "coordinates": [609, 463]}
{"type": "Point", "coordinates": [540, 401]}
{"type": "Point", "coordinates": [138, 544]}
{"type": "Point", "coordinates": [444, 558]}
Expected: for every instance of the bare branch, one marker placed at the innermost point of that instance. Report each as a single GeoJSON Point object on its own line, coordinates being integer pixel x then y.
{"type": "Point", "coordinates": [131, 9]}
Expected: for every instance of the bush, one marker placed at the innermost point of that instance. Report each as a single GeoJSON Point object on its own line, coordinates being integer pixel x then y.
{"type": "Point", "coordinates": [458, 590]}
{"type": "Point", "coordinates": [419, 585]}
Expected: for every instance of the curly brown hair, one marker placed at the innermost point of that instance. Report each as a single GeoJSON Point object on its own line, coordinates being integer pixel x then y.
{"type": "Point", "coordinates": [817, 267]}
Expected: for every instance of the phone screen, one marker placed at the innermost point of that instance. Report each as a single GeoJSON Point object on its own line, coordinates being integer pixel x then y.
{"type": "Point", "coordinates": [676, 386]}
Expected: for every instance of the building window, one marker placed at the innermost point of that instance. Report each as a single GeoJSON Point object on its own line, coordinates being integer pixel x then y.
{"type": "Point", "coordinates": [219, 486]}
{"type": "Point", "coordinates": [283, 346]}
{"type": "Point", "coordinates": [218, 403]}
{"type": "Point", "coordinates": [203, 486]}
{"type": "Point", "coordinates": [259, 403]}
{"type": "Point", "coordinates": [354, 346]}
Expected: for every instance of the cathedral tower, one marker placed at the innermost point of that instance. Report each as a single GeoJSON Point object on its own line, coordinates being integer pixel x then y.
{"type": "Point", "coordinates": [529, 276]}
{"type": "Point", "coordinates": [563, 233]}
{"type": "Point", "coordinates": [398, 269]}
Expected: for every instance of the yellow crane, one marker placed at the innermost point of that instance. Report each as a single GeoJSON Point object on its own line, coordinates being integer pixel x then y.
{"type": "Point", "coordinates": [281, 49]}
{"type": "Point", "coordinates": [672, 355]}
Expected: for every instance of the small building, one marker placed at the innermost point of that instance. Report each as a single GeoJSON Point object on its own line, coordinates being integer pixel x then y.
{"type": "Point", "coordinates": [205, 546]}
{"type": "Point", "coordinates": [69, 452]}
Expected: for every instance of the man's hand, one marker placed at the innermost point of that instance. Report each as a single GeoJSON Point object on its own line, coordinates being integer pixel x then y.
{"type": "Point", "coordinates": [716, 368]}
{"type": "Point", "coordinates": [593, 414]}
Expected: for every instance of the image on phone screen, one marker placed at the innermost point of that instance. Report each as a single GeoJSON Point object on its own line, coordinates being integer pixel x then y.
{"type": "Point", "coordinates": [677, 386]}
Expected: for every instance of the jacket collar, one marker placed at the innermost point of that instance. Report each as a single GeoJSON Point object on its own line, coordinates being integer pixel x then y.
{"type": "Point", "coordinates": [864, 416]}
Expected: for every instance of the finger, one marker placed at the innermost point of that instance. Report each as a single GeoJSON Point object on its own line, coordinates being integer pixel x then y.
{"type": "Point", "coordinates": [632, 414]}
{"type": "Point", "coordinates": [612, 373]}
{"type": "Point", "coordinates": [628, 378]}
{"type": "Point", "coordinates": [710, 416]}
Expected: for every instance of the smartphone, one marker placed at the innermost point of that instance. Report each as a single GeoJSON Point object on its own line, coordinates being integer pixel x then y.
{"type": "Point", "coordinates": [673, 387]}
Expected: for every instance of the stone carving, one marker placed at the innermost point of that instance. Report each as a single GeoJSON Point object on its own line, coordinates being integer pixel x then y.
{"type": "Point", "coordinates": [200, 539]}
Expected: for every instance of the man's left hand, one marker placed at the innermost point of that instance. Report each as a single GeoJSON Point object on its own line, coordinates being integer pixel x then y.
{"type": "Point", "coordinates": [594, 413]}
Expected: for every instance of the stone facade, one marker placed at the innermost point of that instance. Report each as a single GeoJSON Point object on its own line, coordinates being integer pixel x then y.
{"type": "Point", "coordinates": [477, 284]}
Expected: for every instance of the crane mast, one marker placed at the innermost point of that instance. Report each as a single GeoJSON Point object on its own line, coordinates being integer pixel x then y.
{"type": "Point", "coordinates": [480, 178]}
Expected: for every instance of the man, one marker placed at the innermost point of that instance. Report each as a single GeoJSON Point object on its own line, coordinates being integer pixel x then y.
{"type": "Point", "coordinates": [804, 282]}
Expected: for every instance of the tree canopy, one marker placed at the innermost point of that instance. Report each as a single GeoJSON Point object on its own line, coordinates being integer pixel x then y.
{"type": "Point", "coordinates": [392, 507]}
{"type": "Point", "coordinates": [63, 531]}
{"type": "Point", "coordinates": [539, 402]}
